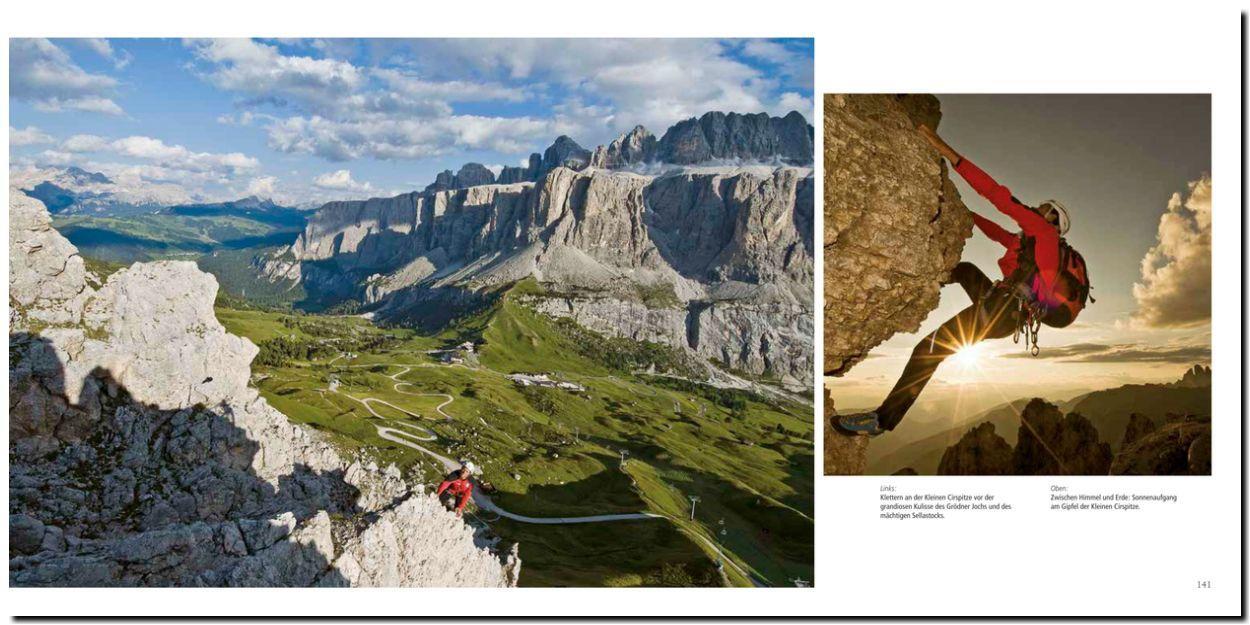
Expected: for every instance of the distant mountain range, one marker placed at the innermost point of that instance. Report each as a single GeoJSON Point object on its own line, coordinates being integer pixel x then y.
{"type": "Point", "coordinates": [181, 230]}
{"type": "Point", "coordinates": [1109, 410]}
{"type": "Point", "coordinates": [73, 190]}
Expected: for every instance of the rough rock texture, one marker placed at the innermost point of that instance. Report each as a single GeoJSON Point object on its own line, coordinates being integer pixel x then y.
{"type": "Point", "coordinates": [529, 173]}
{"type": "Point", "coordinates": [470, 175]}
{"type": "Point", "coordinates": [139, 456]}
{"type": "Point", "coordinates": [1051, 443]}
{"type": "Point", "coordinates": [1182, 446]}
{"type": "Point", "coordinates": [732, 246]}
{"type": "Point", "coordinates": [733, 136]}
{"type": "Point", "coordinates": [1138, 426]}
{"type": "Point", "coordinates": [981, 451]}
{"type": "Point", "coordinates": [844, 455]}
{"type": "Point", "coordinates": [632, 148]}
{"type": "Point", "coordinates": [894, 223]}
{"type": "Point", "coordinates": [565, 152]}
{"type": "Point", "coordinates": [894, 228]}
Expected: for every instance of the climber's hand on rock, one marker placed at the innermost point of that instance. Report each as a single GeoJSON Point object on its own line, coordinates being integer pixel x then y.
{"type": "Point", "coordinates": [938, 144]}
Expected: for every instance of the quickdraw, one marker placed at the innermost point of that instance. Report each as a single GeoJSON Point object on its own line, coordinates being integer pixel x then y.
{"type": "Point", "coordinates": [1029, 324]}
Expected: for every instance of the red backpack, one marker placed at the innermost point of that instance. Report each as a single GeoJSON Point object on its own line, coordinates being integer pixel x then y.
{"type": "Point", "coordinates": [1072, 286]}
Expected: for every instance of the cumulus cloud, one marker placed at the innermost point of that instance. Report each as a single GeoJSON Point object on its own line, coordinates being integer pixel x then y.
{"type": "Point", "coordinates": [1175, 286]}
{"type": "Point", "coordinates": [341, 180]}
{"type": "Point", "coordinates": [262, 186]}
{"type": "Point", "coordinates": [250, 67]}
{"type": "Point", "coordinates": [161, 154]}
{"type": "Point", "coordinates": [1121, 353]}
{"type": "Point", "coordinates": [29, 135]}
{"type": "Point", "coordinates": [655, 82]}
{"type": "Point", "coordinates": [408, 107]}
{"type": "Point", "coordinates": [119, 58]}
{"type": "Point", "coordinates": [46, 76]}
{"type": "Point", "coordinates": [404, 138]}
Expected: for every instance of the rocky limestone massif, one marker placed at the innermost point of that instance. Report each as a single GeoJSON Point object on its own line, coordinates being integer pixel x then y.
{"type": "Point", "coordinates": [715, 260]}
{"type": "Point", "coordinates": [1052, 443]}
{"type": "Point", "coordinates": [894, 228]}
{"type": "Point", "coordinates": [139, 456]}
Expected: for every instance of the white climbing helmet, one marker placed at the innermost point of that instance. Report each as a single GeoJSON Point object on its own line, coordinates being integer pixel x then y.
{"type": "Point", "coordinates": [1064, 221]}
{"type": "Point", "coordinates": [468, 464]}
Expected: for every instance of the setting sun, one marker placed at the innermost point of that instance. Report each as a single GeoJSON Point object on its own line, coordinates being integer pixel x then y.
{"type": "Point", "coordinates": [969, 356]}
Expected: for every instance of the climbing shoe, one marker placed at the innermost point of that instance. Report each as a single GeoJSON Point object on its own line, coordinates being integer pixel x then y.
{"type": "Point", "coordinates": [864, 423]}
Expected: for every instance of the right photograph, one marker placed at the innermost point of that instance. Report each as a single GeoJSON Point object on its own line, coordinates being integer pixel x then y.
{"type": "Point", "coordinates": [1017, 284]}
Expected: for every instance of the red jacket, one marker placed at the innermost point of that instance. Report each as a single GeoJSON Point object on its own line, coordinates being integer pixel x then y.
{"type": "Point", "coordinates": [1046, 237]}
{"type": "Point", "coordinates": [462, 489]}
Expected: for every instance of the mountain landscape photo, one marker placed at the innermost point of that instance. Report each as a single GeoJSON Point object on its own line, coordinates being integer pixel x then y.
{"type": "Point", "coordinates": [249, 356]}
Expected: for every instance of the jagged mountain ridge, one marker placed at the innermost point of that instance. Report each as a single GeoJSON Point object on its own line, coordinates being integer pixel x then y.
{"type": "Point", "coordinates": [716, 136]}
{"type": "Point", "coordinates": [728, 251]}
{"type": "Point", "coordinates": [1111, 411]}
{"type": "Point", "coordinates": [139, 455]}
{"type": "Point", "coordinates": [1050, 442]}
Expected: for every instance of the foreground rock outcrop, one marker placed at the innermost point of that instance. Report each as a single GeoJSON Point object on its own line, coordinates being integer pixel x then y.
{"type": "Point", "coordinates": [139, 456]}
{"type": "Point", "coordinates": [714, 260]}
{"type": "Point", "coordinates": [894, 223]}
{"type": "Point", "coordinates": [894, 228]}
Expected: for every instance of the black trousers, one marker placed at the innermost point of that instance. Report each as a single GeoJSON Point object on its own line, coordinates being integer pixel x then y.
{"type": "Point", "coordinates": [993, 314]}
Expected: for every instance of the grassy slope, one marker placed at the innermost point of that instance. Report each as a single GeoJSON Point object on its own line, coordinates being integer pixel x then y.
{"type": "Point", "coordinates": [554, 453]}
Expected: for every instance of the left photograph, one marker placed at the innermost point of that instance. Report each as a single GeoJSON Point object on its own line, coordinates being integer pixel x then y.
{"type": "Point", "coordinates": [431, 312]}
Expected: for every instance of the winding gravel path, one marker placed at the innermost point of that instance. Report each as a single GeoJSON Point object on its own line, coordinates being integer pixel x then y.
{"type": "Point", "coordinates": [483, 501]}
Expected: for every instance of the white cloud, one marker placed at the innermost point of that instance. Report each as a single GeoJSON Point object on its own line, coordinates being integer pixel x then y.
{"type": "Point", "coordinates": [250, 67]}
{"type": "Point", "coordinates": [405, 138]}
{"type": "Point", "coordinates": [655, 82]}
{"type": "Point", "coordinates": [29, 135]}
{"type": "Point", "coordinates": [119, 58]}
{"type": "Point", "coordinates": [166, 156]}
{"type": "Point", "coordinates": [84, 143]}
{"type": "Point", "coordinates": [55, 157]}
{"type": "Point", "coordinates": [46, 76]}
{"type": "Point", "coordinates": [244, 118]}
{"type": "Point", "coordinates": [262, 186]}
{"type": "Point", "coordinates": [1175, 290]}
{"type": "Point", "coordinates": [791, 101]}
{"type": "Point", "coordinates": [593, 89]}
{"type": "Point", "coordinates": [341, 180]}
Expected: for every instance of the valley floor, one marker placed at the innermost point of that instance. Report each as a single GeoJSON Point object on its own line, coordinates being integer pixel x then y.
{"type": "Point", "coordinates": [595, 484]}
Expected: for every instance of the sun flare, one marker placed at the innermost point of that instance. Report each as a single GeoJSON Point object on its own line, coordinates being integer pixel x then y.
{"type": "Point", "coordinates": [969, 357]}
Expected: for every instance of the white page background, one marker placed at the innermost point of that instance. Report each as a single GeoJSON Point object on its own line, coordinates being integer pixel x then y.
{"type": "Point", "coordinates": [1032, 562]}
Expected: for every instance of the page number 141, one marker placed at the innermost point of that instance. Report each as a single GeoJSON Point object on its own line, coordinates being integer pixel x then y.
{"type": "Point", "coordinates": [1204, 584]}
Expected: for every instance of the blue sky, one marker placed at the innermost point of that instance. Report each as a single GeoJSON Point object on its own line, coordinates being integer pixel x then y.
{"type": "Point", "coordinates": [306, 121]}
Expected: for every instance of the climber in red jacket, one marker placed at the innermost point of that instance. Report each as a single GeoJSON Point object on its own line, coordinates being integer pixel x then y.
{"type": "Point", "coordinates": [458, 486]}
{"type": "Point", "coordinates": [1044, 281]}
